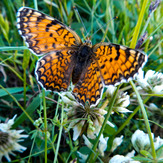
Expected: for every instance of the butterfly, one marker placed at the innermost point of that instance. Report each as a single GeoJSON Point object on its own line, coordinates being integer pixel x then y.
{"type": "Point", "coordinates": [66, 58]}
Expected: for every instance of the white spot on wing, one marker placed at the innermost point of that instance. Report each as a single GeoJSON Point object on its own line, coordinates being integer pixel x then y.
{"type": "Point", "coordinates": [37, 13]}
{"type": "Point", "coordinates": [123, 47]}
{"type": "Point", "coordinates": [132, 51]}
{"type": "Point", "coordinates": [49, 18]}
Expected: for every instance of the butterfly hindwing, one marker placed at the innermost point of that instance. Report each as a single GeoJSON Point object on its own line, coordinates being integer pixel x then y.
{"type": "Point", "coordinates": [117, 63]}
{"type": "Point", "coordinates": [43, 33]}
{"type": "Point", "coordinates": [89, 87]}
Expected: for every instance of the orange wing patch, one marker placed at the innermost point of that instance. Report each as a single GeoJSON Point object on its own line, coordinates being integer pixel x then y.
{"type": "Point", "coordinates": [117, 63]}
{"type": "Point", "coordinates": [43, 33]}
{"type": "Point", "coordinates": [53, 71]}
{"type": "Point", "coordinates": [89, 87]}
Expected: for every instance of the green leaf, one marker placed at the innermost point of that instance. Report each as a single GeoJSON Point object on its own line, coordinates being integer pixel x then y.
{"type": "Point", "coordinates": [10, 90]}
{"type": "Point", "coordinates": [140, 158]}
{"type": "Point", "coordinates": [7, 48]}
{"type": "Point", "coordinates": [146, 153]}
{"type": "Point", "coordinates": [109, 131]}
{"type": "Point", "coordinates": [159, 152]}
{"type": "Point", "coordinates": [160, 161]}
{"type": "Point", "coordinates": [30, 109]}
{"type": "Point", "coordinates": [4, 26]}
{"type": "Point", "coordinates": [26, 58]}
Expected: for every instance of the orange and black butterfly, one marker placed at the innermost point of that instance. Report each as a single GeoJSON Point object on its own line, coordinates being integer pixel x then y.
{"type": "Point", "coordinates": [67, 58]}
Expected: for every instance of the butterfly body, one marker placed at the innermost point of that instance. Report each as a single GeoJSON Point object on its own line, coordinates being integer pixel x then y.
{"type": "Point", "coordinates": [66, 57]}
{"type": "Point", "coordinates": [83, 58]}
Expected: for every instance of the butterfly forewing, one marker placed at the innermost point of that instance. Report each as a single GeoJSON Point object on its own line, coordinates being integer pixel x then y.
{"type": "Point", "coordinates": [117, 63]}
{"type": "Point", "coordinates": [43, 33]}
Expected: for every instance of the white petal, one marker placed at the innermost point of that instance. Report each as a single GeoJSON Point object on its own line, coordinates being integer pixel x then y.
{"type": "Point", "coordinates": [153, 107]}
{"type": "Point", "coordinates": [121, 159]}
{"type": "Point", "coordinates": [110, 124]}
{"type": "Point", "coordinates": [11, 121]}
{"type": "Point", "coordinates": [158, 142]}
{"type": "Point", "coordinates": [7, 157]}
{"type": "Point", "coordinates": [77, 130]}
{"type": "Point", "coordinates": [131, 154]}
{"type": "Point", "coordinates": [149, 74]}
{"type": "Point", "coordinates": [158, 89]}
{"type": "Point", "coordinates": [122, 110]}
{"type": "Point", "coordinates": [83, 157]}
{"type": "Point", "coordinates": [110, 90]}
{"type": "Point", "coordinates": [87, 142]}
{"type": "Point", "coordinates": [116, 142]}
{"type": "Point", "coordinates": [90, 134]}
{"type": "Point", "coordinates": [102, 144]}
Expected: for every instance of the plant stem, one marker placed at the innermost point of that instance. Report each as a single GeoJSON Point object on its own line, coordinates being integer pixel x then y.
{"type": "Point", "coordinates": [45, 123]}
{"type": "Point", "coordinates": [24, 75]}
{"type": "Point", "coordinates": [59, 136]}
{"type": "Point", "coordinates": [36, 4]}
{"type": "Point", "coordinates": [145, 119]}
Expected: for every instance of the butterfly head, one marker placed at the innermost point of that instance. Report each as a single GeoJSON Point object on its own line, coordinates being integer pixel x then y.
{"type": "Point", "coordinates": [88, 42]}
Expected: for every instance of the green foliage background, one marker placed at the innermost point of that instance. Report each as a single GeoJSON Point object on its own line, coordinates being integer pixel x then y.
{"type": "Point", "coordinates": [19, 91]}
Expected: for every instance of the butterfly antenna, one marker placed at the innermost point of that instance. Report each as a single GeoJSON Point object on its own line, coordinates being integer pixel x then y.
{"type": "Point", "coordinates": [74, 7]}
{"type": "Point", "coordinates": [104, 25]}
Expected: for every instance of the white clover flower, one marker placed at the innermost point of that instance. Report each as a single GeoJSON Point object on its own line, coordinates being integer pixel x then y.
{"type": "Point", "coordinates": [140, 140]}
{"type": "Point", "coordinates": [9, 139]}
{"type": "Point", "coordinates": [87, 142]}
{"type": "Point", "coordinates": [156, 113]}
{"type": "Point", "coordinates": [131, 154]}
{"type": "Point", "coordinates": [68, 98]}
{"type": "Point", "coordinates": [110, 90]}
{"type": "Point", "coordinates": [122, 159]}
{"type": "Point", "coordinates": [152, 82]}
{"type": "Point", "coordinates": [86, 119]}
{"type": "Point", "coordinates": [83, 157]}
{"type": "Point", "coordinates": [116, 142]}
{"type": "Point", "coordinates": [153, 107]}
{"type": "Point", "coordinates": [101, 146]}
{"type": "Point", "coordinates": [6, 126]}
{"type": "Point", "coordinates": [122, 100]}
{"type": "Point", "coordinates": [158, 142]}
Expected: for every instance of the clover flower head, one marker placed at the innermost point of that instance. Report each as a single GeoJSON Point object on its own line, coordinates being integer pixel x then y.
{"type": "Point", "coordinates": [122, 100]}
{"type": "Point", "coordinates": [68, 98]}
{"type": "Point", "coordinates": [9, 139]}
{"type": "Point", "coordinates": [140, 140]}
{"type": "Point", "coordinates": [101, 146]}
{"type": "Point", "coordinates": [122, 159]}
{"type": "Point", "coordinates": [152, 82]}
{"type": "Point", "coordinates": [85, 119]}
